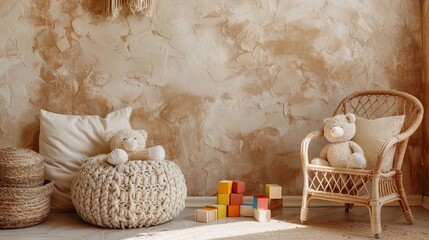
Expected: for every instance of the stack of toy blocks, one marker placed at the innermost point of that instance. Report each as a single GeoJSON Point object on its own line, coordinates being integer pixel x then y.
{"type": "Point", "coordinates": [275, 200]}
{"type": "Point", "coordinates": [230, 193]}
{"type": "Point", "coordinates": [230, 203]}
{"type": "Point", "coordinates": [260, 206]}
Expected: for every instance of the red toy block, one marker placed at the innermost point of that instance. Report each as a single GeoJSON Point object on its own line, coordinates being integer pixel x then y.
{"type": "Point", "coordinates": [233, 211]}
{"type": "Point", "coordinates": [236, 199]}
{"type": "Point", "coordinates": [238, 186]}
{"type": "Point", "coordinates": [260, 202]}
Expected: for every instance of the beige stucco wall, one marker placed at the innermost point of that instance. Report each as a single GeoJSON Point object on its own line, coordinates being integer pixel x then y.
{"type": "Point", "coordinates": [425, 89]}
{"type": "Point", "coordinates": [230, 88]}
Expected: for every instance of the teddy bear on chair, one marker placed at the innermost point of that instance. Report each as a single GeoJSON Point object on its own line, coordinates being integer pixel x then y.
{"type": "Point", "coordinates": [341, 151]}
{"type": "Point", "coordinates": [129, 144]}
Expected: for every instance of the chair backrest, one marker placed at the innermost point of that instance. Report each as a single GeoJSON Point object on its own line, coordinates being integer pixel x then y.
{"type": "Point", "coordinates": [372, 104]}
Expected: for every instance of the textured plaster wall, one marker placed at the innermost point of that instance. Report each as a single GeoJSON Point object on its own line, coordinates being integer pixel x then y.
{"type": "Point", "coordinates": [230, 88]}
{"type": "Point", "coordinates": [425, 89]}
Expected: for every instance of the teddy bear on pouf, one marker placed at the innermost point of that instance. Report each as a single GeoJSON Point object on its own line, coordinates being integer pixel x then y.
{"type": "Point", "coordinates": [129, 144]}
{"type": "Point", "coordinates": [341, 151]}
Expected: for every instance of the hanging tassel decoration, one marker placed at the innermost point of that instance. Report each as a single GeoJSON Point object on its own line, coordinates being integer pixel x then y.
{"type": "Point", "coordinates": [114, 7]}
{"type": "Point", "coordinates": [139, 6]}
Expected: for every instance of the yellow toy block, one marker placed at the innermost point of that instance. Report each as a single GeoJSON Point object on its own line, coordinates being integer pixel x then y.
{"type": "Point", "coordinates": [221, 210]}
{"type": "Point", "coordinates": [206, 215]}
{"type": "Point", "coordinates": [262, 215]}
{"type": "Point", "coordinates": [224, 187]}
{"type": "Point", "coordinates": [273, 191]}
{"type": "Point", "coordinates": [223, 199]}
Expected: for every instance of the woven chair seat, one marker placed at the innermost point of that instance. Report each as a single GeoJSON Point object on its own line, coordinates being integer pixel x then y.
{"type": "Point", "coordinates": [131, 195]}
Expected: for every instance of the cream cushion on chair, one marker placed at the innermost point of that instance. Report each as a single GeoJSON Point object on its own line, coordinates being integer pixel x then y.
{"type": "Point", "coordinates": [66, 140]}
{"type": "Point", "coordinates": [371, 134]}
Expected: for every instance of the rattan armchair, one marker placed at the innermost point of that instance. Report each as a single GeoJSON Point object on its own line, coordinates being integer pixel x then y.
{"type": "Point", "coordinates": [369, 187]}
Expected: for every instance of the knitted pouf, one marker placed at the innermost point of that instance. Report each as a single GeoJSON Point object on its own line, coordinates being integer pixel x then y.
{"type": "Point", "coordinates": [131, 195]}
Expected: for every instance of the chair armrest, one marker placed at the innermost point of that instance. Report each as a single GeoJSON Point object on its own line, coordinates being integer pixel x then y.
{"type": "Point", "coordinates": [305, 145]}
{"type": "Point", "coordinates": [383, 152]}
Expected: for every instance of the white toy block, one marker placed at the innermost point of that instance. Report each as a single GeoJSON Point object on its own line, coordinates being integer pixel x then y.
{"type": "Point", "coordinates": [273, 191]}
{"type": "Point", "coordinates": [246, 210]}
{"type": "Point", "coordinates": [206, 215]}
{"type": "Point", "coordinates": [262, 215]}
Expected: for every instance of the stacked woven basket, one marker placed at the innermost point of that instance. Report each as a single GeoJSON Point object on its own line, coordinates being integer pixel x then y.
{"type": "Point", "coordinates": [24, 193]}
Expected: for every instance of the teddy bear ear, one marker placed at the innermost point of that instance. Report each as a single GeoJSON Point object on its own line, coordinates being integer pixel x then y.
{"type": "Point", "coordinates": [351, 117]}
{"type": "Point", "coordinates": [109, 135]}
{"type": "Point", "coordinates": [142, 132]}
{"type": "Point", "coordinates": [327, 120]}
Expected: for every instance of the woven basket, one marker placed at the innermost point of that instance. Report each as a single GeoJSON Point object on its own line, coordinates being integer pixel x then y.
{"type": "Point", "coordinates": [24, 207]}
{"type": "Point", "coordinates": [21, 167]}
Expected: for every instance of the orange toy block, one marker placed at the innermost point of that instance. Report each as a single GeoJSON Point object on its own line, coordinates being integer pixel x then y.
{"type": "Point", "coordinates": [233, 211]}
{"type": "Point", "coordinates": [238, 186]}
{"type": "Point", "coordinates": [236, 199]}
{"type": "Point", "coordinates": [260, 202]}
{"type": "Point", "coordinates": [224, 187]}
{"type": "Point", "coordinates": [273, 191]}
{"type": "Point", "coordinates": [206, 215]}
{"type": "Point", "coordinates": [221, 210]}
{"type": "Point", "coordinates": [223, 199]}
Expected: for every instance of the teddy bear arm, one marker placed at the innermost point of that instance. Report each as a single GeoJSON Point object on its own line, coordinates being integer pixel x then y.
{"type": "Point", "coordinates": [117, 156]}
{"type": "Point", "coordinates": [152, 153]}
{"type": "Point", "coordinates": [355, 147]}
{"type": "Point", "coordinates": [357, 159]}
{"type": "Point", "coordinates": [140, 155]}
{"type": "Point", "coordinates": [324, 152]}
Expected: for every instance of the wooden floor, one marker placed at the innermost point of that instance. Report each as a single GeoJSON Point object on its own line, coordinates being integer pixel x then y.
{"type": "Point", "coordinates": [70, 226]}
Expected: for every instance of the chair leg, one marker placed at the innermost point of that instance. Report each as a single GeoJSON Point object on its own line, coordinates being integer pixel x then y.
{"type": "Point", "coordinates": [375, 219]}
{"type": "Point", "coordinates": [348, 206]}
{"type": "Point", "coordinates": [304, 208]}
{"type": "Point", "coordinates": [406, 210]}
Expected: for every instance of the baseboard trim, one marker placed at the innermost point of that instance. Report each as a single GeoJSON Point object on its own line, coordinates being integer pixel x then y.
{"type": "Point", "coordinates": [295, 201]}
{"type": "Point", "coordinates": [425, 203]}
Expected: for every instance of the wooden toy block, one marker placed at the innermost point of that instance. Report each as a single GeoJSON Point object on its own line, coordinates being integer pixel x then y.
{"type": "Point", "coordinates": [275, 204]}
{"type": "Point", "coordinates": [260, 202]}
{"type": "Point", "coordinates": [206, 214]}
{"type": "Point", "coordinates": [224, 187]}
{"type": "Point", "coordinates": [262, 215]}
{"type": "Point", "coordinates": [221, 210]}
{"type": "Point", "coordinates": [233, 211]}
{"type": "Point", "coordinates": [246, 210]}
{"type": "Point", "coordinates": [273, 191]}
{"type": "Point", "coordinates": [276, 212]}
{"type": "Point", "coordinates": [236, 199]}
{"type": "Point", "coordinates": [223, 199]}
{"type": "Point", "coordinates": [238, 186]}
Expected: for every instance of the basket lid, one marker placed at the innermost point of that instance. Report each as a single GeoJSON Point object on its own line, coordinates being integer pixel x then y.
{"type": "Point", "coordinates": [19, 156]}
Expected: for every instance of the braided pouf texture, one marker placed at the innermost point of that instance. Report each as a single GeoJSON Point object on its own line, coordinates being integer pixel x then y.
{"type": "Point", "coordinates": [132, 195]}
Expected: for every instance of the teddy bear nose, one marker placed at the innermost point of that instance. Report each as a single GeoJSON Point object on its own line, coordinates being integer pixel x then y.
{"type": "Point", "coordinates": [130, 144]}
{"type": "Point", "coordinates": [337, 132]}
